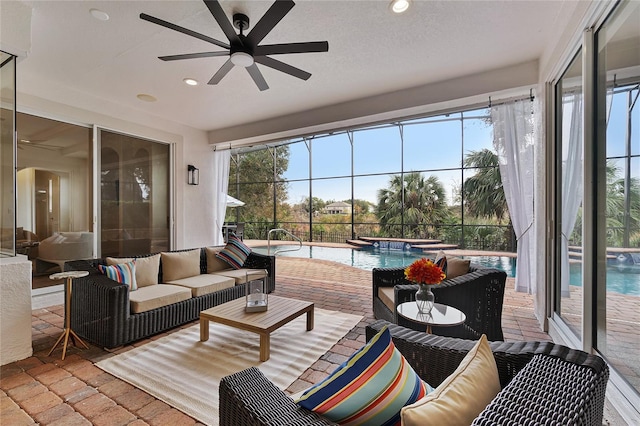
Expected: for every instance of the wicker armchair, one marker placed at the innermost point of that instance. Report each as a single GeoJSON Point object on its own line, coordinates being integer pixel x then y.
{"type": "Point", "coordinates": [479, 294]}
{"type": "Point", "coordinates": [542, 383]}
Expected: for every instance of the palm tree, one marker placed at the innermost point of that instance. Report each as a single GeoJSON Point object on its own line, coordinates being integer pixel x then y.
{"type": "Point", "coordinates": [424, 204]}
{"type": "Point", "coordinates": [483, 192]}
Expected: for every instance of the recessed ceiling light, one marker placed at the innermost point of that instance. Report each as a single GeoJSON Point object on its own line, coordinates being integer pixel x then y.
{"type": "Point", "coordinates": [98, 14]}
{"type": "Point", "coordinates": [399, 6]}
{"type": "Point", "coordinates": [146, 98]}
{"type": "Point", "coordinates": [190, 81]}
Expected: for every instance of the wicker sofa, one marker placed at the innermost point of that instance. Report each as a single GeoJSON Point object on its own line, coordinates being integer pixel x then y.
{"type": "Point", "coordinates": [478, 293]}
{"type": "Point", "coordinates": [542, 383]}
{"type": "Point", "coordinates": [102, 314]}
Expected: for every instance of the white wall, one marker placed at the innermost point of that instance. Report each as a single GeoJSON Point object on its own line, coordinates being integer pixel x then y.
{"type": "Point", "coordinates": [15, 309]}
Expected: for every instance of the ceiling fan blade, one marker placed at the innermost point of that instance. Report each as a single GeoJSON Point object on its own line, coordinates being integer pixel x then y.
{"type": "Point", "coordinates": [192, 56]}
{"type": "Point", "coordinates": [281, 66]}
{"type": "Point", "coordinates": [223, 21]}
{"type": "Point", "coordinates": [270, 19]}
{"type": "Point", "coordinates": [182, 30]}
{"type": "Point", "coordinates": [256, 75]}
{"type": "Point", "coordinates": [281, 49]}
{"type": "Point", "coordinates": [224, 69]}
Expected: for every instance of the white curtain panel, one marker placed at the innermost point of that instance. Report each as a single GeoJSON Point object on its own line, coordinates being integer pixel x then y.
{"type": "Point", "coordinates": [513, 140]}
{"type": "Point", "coordinates": [221, 162]}
{"type": "Point", "coordinates": [571, 176]}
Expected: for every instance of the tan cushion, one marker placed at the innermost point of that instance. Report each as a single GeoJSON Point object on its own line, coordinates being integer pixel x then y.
{"type": "Point", "coordinates": [240, 275]}
{"type": "Point", "coordinates": [462, 396]}
{"type": "Point", "coordinates": [180, 265]}
{"type": "Point", "coordinates": [387, 296]}
{"type": "Point", "coordinates": [154, 296]}
{"type": "Point", "coordinates": [215, 264]}
{"type": "Point", "coordinates": [147, 268]}
{"type": "Point", "coordinates": [457, 267]}
{"type": "Point", "coordinates": [204, 283]}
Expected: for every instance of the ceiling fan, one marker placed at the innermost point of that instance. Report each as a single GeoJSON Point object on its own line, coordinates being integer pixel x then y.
{"type": "Point", "coordinates": [245, 50]}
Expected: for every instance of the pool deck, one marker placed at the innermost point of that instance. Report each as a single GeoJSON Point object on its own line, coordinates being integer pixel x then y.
{"type": "Point", "coordinates": [45, 390]}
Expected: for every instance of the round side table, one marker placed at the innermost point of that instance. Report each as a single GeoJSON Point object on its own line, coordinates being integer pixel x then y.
{"type": "Point", "coordinates": [440, 316]}
{"type": "Point", "coordinates": [69, 276]}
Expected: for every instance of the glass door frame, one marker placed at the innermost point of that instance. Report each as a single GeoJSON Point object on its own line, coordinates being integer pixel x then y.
{"type": "Point", "coordinates": [97, 161]}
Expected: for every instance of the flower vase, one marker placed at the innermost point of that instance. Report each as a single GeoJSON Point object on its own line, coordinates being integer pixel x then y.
{"type": "Point", "coordinates": [424, 298]}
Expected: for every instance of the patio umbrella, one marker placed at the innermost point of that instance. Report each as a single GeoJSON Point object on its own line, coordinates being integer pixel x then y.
{"type": "Point", "coordinates": [233, 202]}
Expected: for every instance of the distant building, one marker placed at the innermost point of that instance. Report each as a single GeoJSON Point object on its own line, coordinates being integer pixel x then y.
{"type": "Point", "coordinates": [337, 208]}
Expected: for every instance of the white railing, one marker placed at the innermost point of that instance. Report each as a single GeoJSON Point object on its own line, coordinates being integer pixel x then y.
{"type": "Point", "coordinates": [282, 250]}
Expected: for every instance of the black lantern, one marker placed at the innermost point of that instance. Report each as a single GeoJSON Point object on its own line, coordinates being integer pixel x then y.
{"type": "Point", "coordinates": [193, 175]}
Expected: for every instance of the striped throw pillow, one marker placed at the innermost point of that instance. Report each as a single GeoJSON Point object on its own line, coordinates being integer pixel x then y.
{"type": "Point", "coordinates": [370, 388]}
{"type": "Point", "coordinates": [124, 273]}
{"type": "Point", "coordinates": [441, 261]}
{"type": "Point", "coordinates": [235, 253]}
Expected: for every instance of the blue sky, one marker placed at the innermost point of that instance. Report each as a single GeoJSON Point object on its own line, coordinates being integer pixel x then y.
{"type": "Point", "coordinates": [436, 145]}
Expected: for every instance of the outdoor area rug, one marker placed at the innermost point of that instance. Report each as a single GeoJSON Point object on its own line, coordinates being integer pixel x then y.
{"type": "Point", "coordinates": [185, 373]}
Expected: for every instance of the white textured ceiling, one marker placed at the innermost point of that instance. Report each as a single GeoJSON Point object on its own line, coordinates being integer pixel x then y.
{"type": "Point", "coordinates": [102, 65]}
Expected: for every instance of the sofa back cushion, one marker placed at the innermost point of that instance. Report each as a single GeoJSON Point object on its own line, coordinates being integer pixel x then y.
{"type": "Point", "coordinates": [214, 263]}
{"type": "Point", "coordinates": [178, 265]}
{"type": "Point", "coordinates": [147, 268]}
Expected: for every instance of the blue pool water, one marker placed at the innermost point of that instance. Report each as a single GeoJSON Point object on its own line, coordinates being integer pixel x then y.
{"type": "Point", "coordinates": [370, 258]}
{"type": "Point", "coordinates": [620, 279]}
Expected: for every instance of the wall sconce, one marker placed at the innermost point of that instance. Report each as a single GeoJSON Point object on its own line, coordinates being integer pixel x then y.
{"type": "Point", "coordinates": [193, 175]}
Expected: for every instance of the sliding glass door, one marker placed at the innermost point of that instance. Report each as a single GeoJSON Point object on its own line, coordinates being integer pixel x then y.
{"type": "Point", "coordinates": [134, 195]}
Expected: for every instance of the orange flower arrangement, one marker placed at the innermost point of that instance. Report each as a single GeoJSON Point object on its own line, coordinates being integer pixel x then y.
{"type": "Point", "coordinates": [424, 271]}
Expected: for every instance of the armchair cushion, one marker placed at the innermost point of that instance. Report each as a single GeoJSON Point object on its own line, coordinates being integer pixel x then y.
{"type": "Point", "coordinates": [369, 388]}
{"type": "Point", "coordinates": [178, 265]}
{"type": "Point", "coordinates": [452, 266]}
{"type": "Point", "coordinates": [147, 268]}
{"type": "Point", "coordinates": [463, 395]}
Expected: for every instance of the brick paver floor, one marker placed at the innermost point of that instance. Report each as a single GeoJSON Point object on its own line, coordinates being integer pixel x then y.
{"type": "Point", "coordinates": [45, 390]}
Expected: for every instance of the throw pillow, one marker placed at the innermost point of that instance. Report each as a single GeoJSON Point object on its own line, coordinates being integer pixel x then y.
{"type": "Point", "coordinates": [463, 395]}
{"type": "Point", "coordinates": [441, 261]}
{"type": "Point", "coordinates": [453, 266]}
{"type": "Point", "coordinates": [369, 388]}
{"type": "Point", "coordinates": [235, 253]}
{"type": "Point", "coordinates": [124, 273]}
{"type": "Point", "coordinates": [181, 264]}
{"type": "Point", "coordinates": [147, 268]}
{"type": "Point", "coordinates": [215, 264]}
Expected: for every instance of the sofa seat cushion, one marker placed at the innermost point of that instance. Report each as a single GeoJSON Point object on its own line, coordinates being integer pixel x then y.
{"type": "Point", "coordinates": [387, 296]}
{"type": "Point", "coordinates": [154, 296]}
{"type": "Point", "coordinates": [240, 275]}
{"type": "Point", "coordinates": [204, 283]}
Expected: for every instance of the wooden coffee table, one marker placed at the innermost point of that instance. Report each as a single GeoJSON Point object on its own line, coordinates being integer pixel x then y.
{"type": "Point", "coordinates": [280, 312]}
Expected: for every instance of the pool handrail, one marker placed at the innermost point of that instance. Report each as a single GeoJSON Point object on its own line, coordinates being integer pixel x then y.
{"type": "Point", "coordinates": [283, 250]}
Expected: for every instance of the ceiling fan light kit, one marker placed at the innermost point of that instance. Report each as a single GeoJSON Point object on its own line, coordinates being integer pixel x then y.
{"type": "Point", "coordinates": [245, 50]}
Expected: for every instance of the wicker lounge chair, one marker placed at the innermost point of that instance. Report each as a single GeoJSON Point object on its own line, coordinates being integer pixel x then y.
{"type": "Point", "coordinates": [542, 383]}
{"type": "Point", "coordinates": [479, 294]}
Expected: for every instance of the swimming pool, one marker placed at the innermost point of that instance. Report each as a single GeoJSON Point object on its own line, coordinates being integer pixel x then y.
{"type": "Point", "coordinates": [370, 258]}
{"type": "Point", "coordinates": [624, 280]}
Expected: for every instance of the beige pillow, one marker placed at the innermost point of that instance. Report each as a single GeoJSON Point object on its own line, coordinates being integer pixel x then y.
{"type": "Point", "coordinates": [215, 264]}
{"type": "Point", "coordinates": [462, 396]}
{"type": "Point", "coordinates": [147, 268]}
{"type": "Point", "coordinates": [457, 267]}
{"type": "Point", "coordinates": [454, 266]}
{"type": "Point", "coordinates": [183, 264]}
